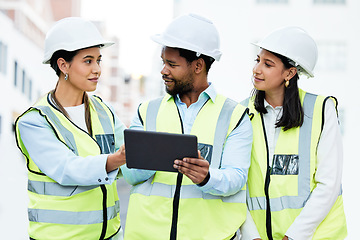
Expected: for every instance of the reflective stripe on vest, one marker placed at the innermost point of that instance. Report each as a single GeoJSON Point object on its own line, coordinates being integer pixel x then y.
{"type": "Point", "coordinates": [288, 194]}
{"type": "Point", "coordinates": [220, 131]}
{"type": "Point", "coordinates": [83, 206]}
{"type": "Point", "coordinates": [65, 133]}
{"type": "Point", "coordinates": [103, 117]}
{"type": "Point", "coordinates": [149, 188]}
{"type": "Point", "coordinates": [68, 135]}
{"type": "Point", "coordinates": [180, 208]}
{"type": "Point", "coordinates": [75, 218]}
{"type": "Point", "coordinates": [55, 189]}
{"type": "Point", "coordinates": [295, 202]}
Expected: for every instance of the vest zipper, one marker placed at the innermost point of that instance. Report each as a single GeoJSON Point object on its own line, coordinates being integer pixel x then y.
{"type": "Point", "coordinates": [267, 184]}
{"type": "Point", "coordinates": [102, 187]}
{"type": "Point", "coordinates": [176, 199]}
{"type": "Point", "coordinates": [104, 226]}
{"type": "Point", "coordinates": [179, 178]}
{"type": "Point", "coordinates": [176, 202]}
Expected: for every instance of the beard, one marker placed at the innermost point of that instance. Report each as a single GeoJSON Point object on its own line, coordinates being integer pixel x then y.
{"type": "Point", "coordinates": [181, 87]}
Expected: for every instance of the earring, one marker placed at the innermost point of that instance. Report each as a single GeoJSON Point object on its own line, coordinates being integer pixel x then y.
{"type": "Point", "coordinates": [66, 76]}
{"type": "Point", "coordinates": [287, 82]}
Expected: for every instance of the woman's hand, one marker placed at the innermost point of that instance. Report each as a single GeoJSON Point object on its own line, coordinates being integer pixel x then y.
{"type": "Point", "coordinates": [116, 159]}
{"type": "Point", "coordinates": [285, 238]}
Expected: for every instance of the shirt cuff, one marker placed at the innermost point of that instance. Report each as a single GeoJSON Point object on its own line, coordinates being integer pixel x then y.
{"type": "Point", "coordinates": [213, 180]}
{"type": "Point", "coordinates": [135, 176]}
{"type": "Point", "coordinates": [206, 179]}
{"type": "Point", "coordinates": [107, 177]}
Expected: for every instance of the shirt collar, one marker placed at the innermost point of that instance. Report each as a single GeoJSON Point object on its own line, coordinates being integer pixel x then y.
{"type": "Point", "coordinates": [209, 92]}
{"type": "Point", "coordinates": [267, 105]}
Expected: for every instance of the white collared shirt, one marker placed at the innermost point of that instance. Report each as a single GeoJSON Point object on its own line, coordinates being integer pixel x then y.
{"type": "Point", "coordinates": [328, 175]}
{"type": "Point", "coordinates": [272, 133]}
{"type": "Point", "coordinates": [235, 157]}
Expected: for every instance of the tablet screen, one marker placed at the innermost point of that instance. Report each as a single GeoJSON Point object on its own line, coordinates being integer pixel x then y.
{"type": "Point", "coordinates": [157, 150]}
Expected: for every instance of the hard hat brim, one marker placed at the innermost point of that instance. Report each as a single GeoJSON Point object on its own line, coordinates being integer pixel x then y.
{"type": "Point", "coordinates": [82, 45]}
{"type": "Point", "coordinates": [308, 71]}
{"type": "Point", "coordinates": [162, 40]}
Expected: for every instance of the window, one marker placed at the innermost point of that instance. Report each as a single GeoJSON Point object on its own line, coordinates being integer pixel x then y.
{"type": "Point", "coordinates": [3, 57]}
{"type": "Point", "coordinates": [4, 63]}
{"type": "Point", "coordinates": [30, 90]}
{"type": "Point", "coordinates": [113, 93]}
{"type": "Point", "coordinates": [15, 74]}
{"type": "Point", "coordinates": [1, 53]}
{"type": "Point", "coordinates": [330, 1]}
{"type": "Point", "coordinates": [114, 71]}
{"type": "Point", "coordinates": [332, 56]}
{"type": "Point", "coordinates": [23, 81]}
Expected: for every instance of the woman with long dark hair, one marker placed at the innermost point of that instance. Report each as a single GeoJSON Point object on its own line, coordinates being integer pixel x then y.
{"type": "Point", "coordinates": [73, 143]}
{"type": "Point", "coordinates": [294, 183]}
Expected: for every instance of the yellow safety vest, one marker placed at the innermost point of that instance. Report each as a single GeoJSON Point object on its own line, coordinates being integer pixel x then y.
{"type": "Point", "coordinates": [169, 205]}
{"type": "Point", "coordinates": [72, 212]}
{"type": "Point", "coordinates": [290, 180]}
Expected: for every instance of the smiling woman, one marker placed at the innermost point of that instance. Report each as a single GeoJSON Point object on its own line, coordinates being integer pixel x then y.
{"type": "Point", "coordinates": [84, 71]}
{"type": "Point", "coordinates": [73, 143]}
{"type": "Point", "coordinates": [299, 195]}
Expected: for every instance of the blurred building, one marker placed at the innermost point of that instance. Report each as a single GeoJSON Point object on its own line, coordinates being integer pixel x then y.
{"type": "Point", "coordinates": [116, 87]}
{"type": "Point", "coordinates": [24, 79]}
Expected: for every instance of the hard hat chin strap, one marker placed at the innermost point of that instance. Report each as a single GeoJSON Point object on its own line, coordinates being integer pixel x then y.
{"type": "Point", "coordinates": [300, 70]}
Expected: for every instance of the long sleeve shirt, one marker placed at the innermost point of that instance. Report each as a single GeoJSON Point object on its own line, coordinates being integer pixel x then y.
{"type": "Point", "coordinates": [328, 174]}
{"type": "Point", "coordinates": [57, 161]}
{"type": "Point", "coordinates": [235, 158]}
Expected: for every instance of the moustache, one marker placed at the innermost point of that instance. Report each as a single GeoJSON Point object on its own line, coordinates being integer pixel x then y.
{"type": "Point", "coordinates": [166, 78]}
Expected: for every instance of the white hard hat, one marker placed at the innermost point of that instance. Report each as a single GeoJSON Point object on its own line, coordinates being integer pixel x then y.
{"type": "Point", "coordinates": [70, 34]}
{"type": "Point", "coordinates": [295, 44]}
{"type": "Point", "coordinates": [191, 32]}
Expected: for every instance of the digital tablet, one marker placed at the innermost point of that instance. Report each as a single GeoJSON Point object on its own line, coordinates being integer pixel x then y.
{"type": "Point", "coordinates": [157, 150]}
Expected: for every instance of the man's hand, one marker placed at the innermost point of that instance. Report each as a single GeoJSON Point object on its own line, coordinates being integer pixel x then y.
{"type": "Point", "coordinates": [194, 168]}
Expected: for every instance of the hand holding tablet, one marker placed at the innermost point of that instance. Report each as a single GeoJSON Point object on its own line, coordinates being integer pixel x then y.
{"type": "Point", "coordinates": [157, 150]}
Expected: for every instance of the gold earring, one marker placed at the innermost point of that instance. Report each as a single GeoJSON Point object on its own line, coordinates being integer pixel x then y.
{"type": "Point", "coordinates": [287, 82]}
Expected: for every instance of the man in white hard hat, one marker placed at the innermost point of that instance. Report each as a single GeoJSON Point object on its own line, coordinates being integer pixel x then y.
{"type": "Point", "coordinates": [206, 198]}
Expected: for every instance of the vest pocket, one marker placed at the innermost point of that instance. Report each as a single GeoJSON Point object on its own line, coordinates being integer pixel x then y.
{"type": "Point", "coordinates": [285, 165]}
{"type": "Point", "coordinates": [106, 143]}
{"type": "Point", "coordinates": [205, 151]}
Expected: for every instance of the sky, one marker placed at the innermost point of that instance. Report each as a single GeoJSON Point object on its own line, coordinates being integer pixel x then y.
{"type": "Point", "coordinates": [136, 18]}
